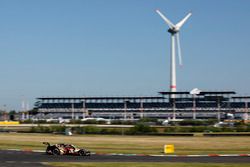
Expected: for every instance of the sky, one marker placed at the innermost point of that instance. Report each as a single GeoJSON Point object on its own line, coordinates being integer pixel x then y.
{"type": "Point", "coordinates": [119, 48]}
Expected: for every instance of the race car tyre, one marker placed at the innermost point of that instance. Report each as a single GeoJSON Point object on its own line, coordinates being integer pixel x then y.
{"type": "Point", "coordinates": [82, 153]}
{"type": "Point", "coordinates": [48, 151]}
{"type": "Point", "coordinates": [87, 153]}
{"type": "Point", "coordinates": [56, 151]}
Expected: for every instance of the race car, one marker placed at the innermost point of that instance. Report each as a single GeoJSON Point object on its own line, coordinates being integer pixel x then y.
{"type": "Point", "coordinates": [65, 149]}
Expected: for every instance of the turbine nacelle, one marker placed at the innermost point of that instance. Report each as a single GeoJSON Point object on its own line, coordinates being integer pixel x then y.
{"type": "Point", "coordinates": [174, 27]}
{"type": "Point", "coordinates": [173, 31]}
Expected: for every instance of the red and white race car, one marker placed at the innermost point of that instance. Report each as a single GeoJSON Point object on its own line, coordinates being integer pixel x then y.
{"type": "Point", "coordinates": [65, 149]}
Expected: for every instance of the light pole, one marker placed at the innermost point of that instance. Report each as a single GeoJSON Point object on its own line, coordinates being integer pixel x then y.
{"type": "Point", "coordinates": [194, 94]}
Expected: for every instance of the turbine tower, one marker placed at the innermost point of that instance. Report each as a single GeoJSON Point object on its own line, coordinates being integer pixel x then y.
{"type": "Point", "coordinates": [174, 31]}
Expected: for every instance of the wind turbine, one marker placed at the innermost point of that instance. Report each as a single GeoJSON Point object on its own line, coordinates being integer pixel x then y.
{"type": "Point", "coordinates": [174, 31]}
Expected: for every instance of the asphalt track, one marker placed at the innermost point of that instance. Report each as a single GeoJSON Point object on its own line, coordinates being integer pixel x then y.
{"type": "Point", "coordinates": [16, 158]}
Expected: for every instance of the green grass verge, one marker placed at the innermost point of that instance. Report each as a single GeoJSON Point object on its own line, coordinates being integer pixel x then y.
{"type": "Point", "coordinates": [136, 164]}
{"type": "Point", "coordinates": [130, 144]}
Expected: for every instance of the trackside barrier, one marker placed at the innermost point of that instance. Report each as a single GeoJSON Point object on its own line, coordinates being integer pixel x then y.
{"type": "Point", "coordinates": [9, 122]}
{"type": "Point", "coordinates": [227, 134]}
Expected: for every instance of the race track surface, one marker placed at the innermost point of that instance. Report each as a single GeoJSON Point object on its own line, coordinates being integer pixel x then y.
{"type": "Point", "coordinates": [16, 158]}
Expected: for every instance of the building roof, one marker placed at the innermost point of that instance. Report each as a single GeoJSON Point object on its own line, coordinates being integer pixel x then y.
{"type": "Point", "coordinates": [201, 93]}
{"type": "Point", "coordinates": [205, 93]}
{"type": "Point", "coordinates": [217, 92]}
{"type": "Point", "coordinates": [241, 97]}
{"type": "Point", "coordinates": [173, 93]}
{"type": "Point", "coordinates": [101, 98]}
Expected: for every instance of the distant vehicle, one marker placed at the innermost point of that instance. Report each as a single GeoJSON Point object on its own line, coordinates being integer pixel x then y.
{"type": "Point", "coordinates": [224, 124]}
{"type": "Point", "coordinates": [165, 122]}
{"type": "Point", "coordinates": [65, 149]}
{"type": "Point", "coordinates": [63, 120]}
{"type": "Point", "coordinates": [96, 119]}
{"type": "Point", "coordinates": [52, 120]}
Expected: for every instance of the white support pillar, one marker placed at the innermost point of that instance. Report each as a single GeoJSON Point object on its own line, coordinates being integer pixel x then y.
{"type": "Point", "coordinates": [194, 107]}
{"type": "Point", "coordinates": [84, 109]}
{"type": "Point", "coordinates": [125, 109]}
{"type": "Point", "coordinates": [23, 115]}
{"type": "Point", "coordinates": [174, 109]}
{"type": "Point", "coordinates": [72, 111]}
{"type": "Point", "coordinates": [246, 109]}
{"type": "Point", "coordinates": [141, 109]}
{"type": "Point", "coordinates": [219, 108]}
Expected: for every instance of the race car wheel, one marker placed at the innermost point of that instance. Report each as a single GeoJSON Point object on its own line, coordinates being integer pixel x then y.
{"type": "Point", "coordinates": [82, 153]}
{"type": "Point", "coordinates": [48, 151]}
{"type": "Point", "coordinates": [56, 151]}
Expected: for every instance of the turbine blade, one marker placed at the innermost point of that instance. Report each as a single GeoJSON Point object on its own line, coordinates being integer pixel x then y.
{"type": "Point", "coordinates": [169, 23]}
{"type": "Point", "coordinates": [179, 48]}
{"type": "Point", "coordinates": [180, 24]}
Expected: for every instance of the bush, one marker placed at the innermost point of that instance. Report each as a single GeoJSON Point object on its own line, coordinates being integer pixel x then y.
{"type": "Point", "coordinates": [28, 121]}
{"type": "Point", "coordinates": [122, 122]}
{"type": "Point", "coordinates": [90, 121]}
{"type": "Point", "coordinates": [73, 121]}
{"type": "Point", "coordinates": [58, 129]}
{"type": "Point", "coordinates": [102, 122]}
{"type": "Point", "coordinates": [141, 128]}
{"type": "Point", "coordinates": [178, 129]}
{"type": "Point", "coordinates": [191, 123]}
{"type": "Point", "coordinates": [78, 130]}
{"type": "Point", "coordinates": [40, 129]}
{"type": "Point", "coordinates": [45, 129]}
{"type": "Point", "coordinates": [197, 122]}
{"type": "Point", "coordinates": [210, 122]}
{"type": "Point", "coordinates": [242, 129]}
{"type": "Point", "coordinates": [214, 129]}
{"type": "Point", "coordinates": [206, 129]}
{"type": "Point", "coordinates": [40, 122]}
{"type": "Point", "coordinates": [148, 120]}
{"type": "Point", "coordinates": [114, 131]}
{"type": "Point", "coordinates": [240, 123]}
{"type": "Point", "coordinates": [91, 130]}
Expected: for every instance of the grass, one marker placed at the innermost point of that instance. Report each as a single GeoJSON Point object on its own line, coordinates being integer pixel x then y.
{"type": "Point", "coordinates": [133, 164]}
{"type": "Point", "coordinates": [131, 144]}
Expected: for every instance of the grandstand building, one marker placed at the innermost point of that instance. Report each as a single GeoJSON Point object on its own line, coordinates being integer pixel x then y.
{"type": "Point", "coordinates": [205, 105]}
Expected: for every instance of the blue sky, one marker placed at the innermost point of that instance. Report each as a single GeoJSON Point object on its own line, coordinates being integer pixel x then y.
{"type": "Point", "coordinates": [118, 48]}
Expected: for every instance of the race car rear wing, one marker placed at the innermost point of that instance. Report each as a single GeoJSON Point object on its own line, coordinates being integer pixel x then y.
{"type": "Point", "coordinates": [46, 143]}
